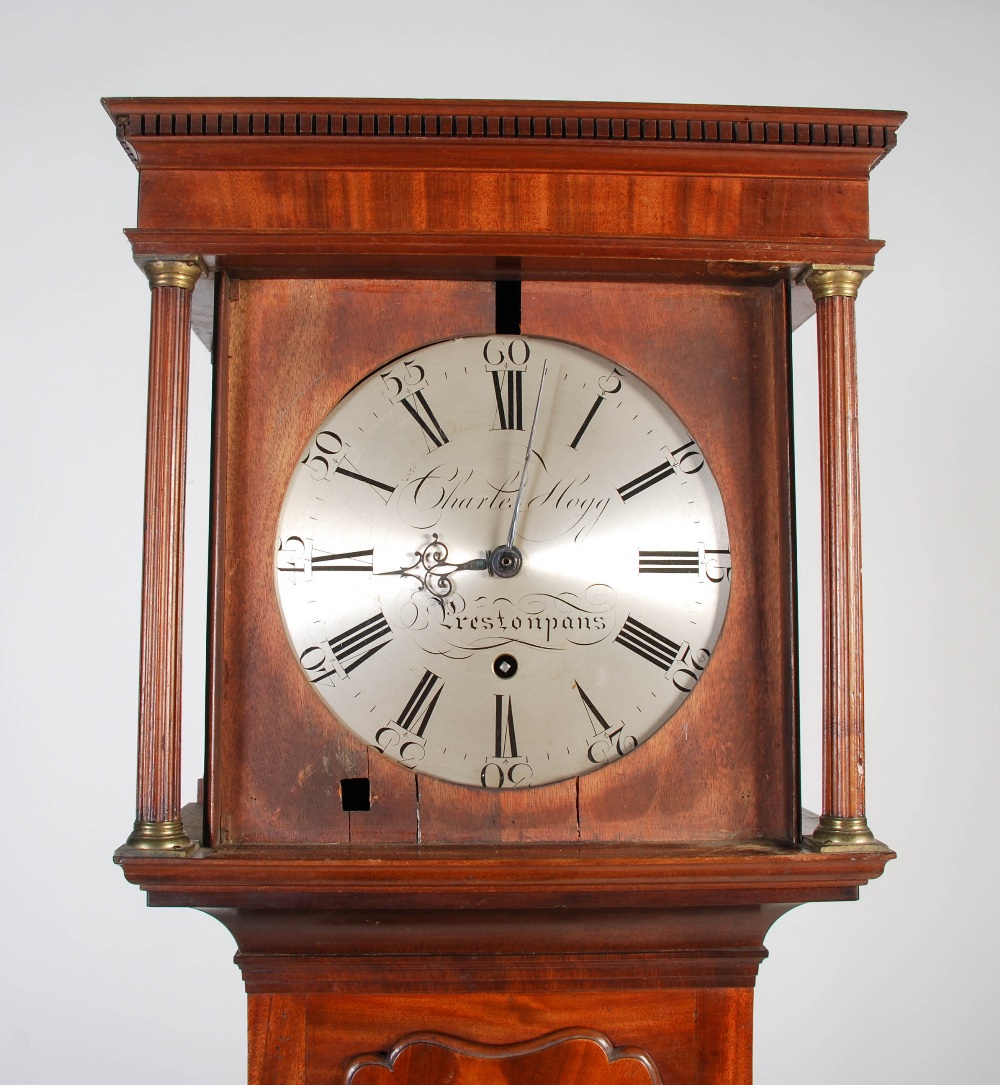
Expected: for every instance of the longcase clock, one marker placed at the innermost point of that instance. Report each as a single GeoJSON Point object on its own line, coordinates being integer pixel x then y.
{"type": "Point", "coordinates": [502, 778]}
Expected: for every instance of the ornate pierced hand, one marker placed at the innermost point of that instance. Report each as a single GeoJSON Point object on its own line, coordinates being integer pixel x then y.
{"type": "Point", "coordinates": [433, 569]}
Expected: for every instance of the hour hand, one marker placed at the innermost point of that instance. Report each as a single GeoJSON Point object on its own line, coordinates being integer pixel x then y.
{"type": "Point", "coordinates": [476, 563]}
{"type": "Point", "coordinates": [433, 569]}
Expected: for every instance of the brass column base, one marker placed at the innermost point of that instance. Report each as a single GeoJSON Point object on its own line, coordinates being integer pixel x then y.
{"type": "Point", "coordinates": [161, 836]}
{"type": "Point", "coordinates": [835, 834]}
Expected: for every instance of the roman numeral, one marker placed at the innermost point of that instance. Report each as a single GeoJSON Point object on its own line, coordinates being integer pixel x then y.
{"type": "Point", "coordinates": [710, 566]}
{"type": "Point", "coordinates": [669, 561]}
{"type": "Point", "coordinates": [608, 742]}
{"type": "Point", "coordinates": [360, 642]}
{"type": "Point", "coordinates": [352, 561]}
{"type": "Point", "coordinates": [586, 422]}
{"type": "Point", "coordinates": [648, 644]}
{"type": "Point", "coordinates": [356, 561]}
{"type": "Point", "coordinates": [687, 459]}
{"type": "Point", "coordinates": [364, 478]}
{"type": "Point", "coordinates": [349, 650]}
{"type": "Point", "coordinates": [506, 740]}
{"type": "Point", "coordinates": [420, 707]}
{"type": "Point", "coordinates": [506, 768]}
{"type": "Point", "coordinates": [507, 389]}
{"type": "Point", "coordinates": [420, 411]}
{"type": "Point", "coordinates": [644, 481]}
{"type": "Point", "coordinates": [592, 712]}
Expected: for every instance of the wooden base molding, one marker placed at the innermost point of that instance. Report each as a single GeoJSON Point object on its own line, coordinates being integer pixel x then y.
{"type": "Point", "coordinates": [347, 952]}
{"type": "Point", "coordinates": [487, 950]}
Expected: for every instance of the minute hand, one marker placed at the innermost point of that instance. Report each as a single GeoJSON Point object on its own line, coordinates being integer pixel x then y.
{"type": "Point", "coordinates": [527, 457]}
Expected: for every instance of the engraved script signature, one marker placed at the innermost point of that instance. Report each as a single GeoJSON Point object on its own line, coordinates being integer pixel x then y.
{"type": "Point", "coordinates": [560, 504]}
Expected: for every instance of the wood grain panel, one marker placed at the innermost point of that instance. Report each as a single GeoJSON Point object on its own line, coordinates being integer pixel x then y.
{"type": "Point", "coordinates": [469, 202]}
{"type": "Point", "coordinates": [460, 815]}
{"type": "Point", "coordinates": [394, 797]}
{"type": "Point", "coordinates": [724, 766]}
{"type": "Point", "coordinates": [276, 1040]}
{"type": "Point", "coordinates": [721, 770]}
{"type": "Point", "coordinates": [692, 1036]}
{"type": "Point", "coordinates": [294, 348]}
{"type": "Point", "coordinates": [567, 1057]}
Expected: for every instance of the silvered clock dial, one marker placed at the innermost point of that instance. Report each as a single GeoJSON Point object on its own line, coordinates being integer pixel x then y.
{"type": "Point", "coordinates": [502, 561]}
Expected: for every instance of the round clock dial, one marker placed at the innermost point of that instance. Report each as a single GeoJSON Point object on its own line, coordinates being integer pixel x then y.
{"type": "Point", "coordinates": [502, 561]}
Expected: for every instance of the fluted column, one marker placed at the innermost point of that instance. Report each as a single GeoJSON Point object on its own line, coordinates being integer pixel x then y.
{"type": "Point", "coordinates": [158, 824]}
{"type": "Point", "coordinates": [843, 824]}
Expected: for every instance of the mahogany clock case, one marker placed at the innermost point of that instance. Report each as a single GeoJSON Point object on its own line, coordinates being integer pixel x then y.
{"type": "Point", "coordinates": [631, 902]}
{"type": "Point", "coordinates": [672, 240]}
{"type": "Point", "coordinates": [723, 768]}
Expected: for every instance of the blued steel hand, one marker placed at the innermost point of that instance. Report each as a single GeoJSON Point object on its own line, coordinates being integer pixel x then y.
{"type": "Point", "coordinates": [435, 571]}
{"type": "Point", "coordinates": [527, 457]}
{"type": "Point", "coordinates": [506, 560]}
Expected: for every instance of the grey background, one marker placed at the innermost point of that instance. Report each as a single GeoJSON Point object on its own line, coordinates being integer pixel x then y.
{"type": "Point", "coordinates": [894, 988]}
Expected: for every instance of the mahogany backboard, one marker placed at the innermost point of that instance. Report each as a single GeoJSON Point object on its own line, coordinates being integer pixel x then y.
{"type": "Point", "coordinates": [722, 769]}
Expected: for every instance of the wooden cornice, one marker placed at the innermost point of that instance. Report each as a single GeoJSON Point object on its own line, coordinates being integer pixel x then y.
{"type": "Point", "coordinates": [448, 188]}
{"type": "Point", "coordinates": [410, 119]}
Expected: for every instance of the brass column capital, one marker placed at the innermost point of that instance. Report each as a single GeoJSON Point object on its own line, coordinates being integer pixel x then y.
{"type": "Point", "coordinates": [836, 280]}
{"type": "Point", "coordinates": [183, 273]}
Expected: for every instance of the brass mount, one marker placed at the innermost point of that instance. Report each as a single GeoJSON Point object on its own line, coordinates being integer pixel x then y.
{"type": "Point", "coordinates": [182, 273]}
{"type": "Point", "coordinates": [161, 836]}
{"type": "Point", "coordinates": [837, 834]}
{"type": "Point", "coordinates": [836, 280]}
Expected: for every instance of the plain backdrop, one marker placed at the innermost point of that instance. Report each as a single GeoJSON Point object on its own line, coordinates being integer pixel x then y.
{"type": "Point", "coordinates": [895, 988]}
